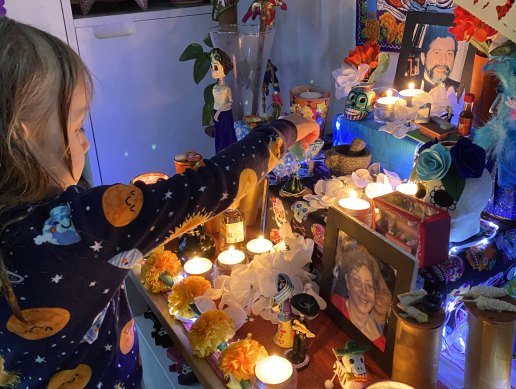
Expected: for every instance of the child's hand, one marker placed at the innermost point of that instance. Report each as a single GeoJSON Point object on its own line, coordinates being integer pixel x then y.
{"type": "Point", "coordinates": [307, 129]}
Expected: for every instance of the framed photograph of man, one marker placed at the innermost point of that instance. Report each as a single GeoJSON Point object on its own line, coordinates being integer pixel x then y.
{"type": "Point", "coordinates": [430, 56]}
{"type": "Point", "coordinates": [361, 276]}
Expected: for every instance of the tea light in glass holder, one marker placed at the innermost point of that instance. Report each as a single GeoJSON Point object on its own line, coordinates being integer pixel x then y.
{"type": "Point", "coordinates": [408, 188]}
{"type": "Point", "coordinates": [408, 94]}
{"type": "Point", "coordinates": [229, 258]}
{"type": "Point", "coordinates": [275, 372]}
{"type": "Point", "coordinates": [384, 108]}
{"type": "Point", "coordinates": [198, 266]}
{"type": "Point", "coordinates": [149, 178]}
{"type": "Point", "coordinates": [358, 208]}
{"type": "Point", "coordinates": [259, 246]}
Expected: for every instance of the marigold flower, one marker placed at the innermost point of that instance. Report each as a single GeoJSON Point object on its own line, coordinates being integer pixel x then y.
{"type": "Point", "coordinates": [183, 294]}
{"type": "Point", "coordinates": [467, 26]}
{"type": "Point", "coordinates": [210, 330]}
{"type": "Point", "coordinates": [364, 54]}
{"type": "Point", "coordinates": [239, 358]}
{"type": "Point", "coordinates": [159, 261]}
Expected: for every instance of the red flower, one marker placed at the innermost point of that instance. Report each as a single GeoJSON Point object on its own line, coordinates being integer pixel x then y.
{"type": "Point", "coordinates": [365, 54]}
{"type": "Point", "coordinates": [468, 26]}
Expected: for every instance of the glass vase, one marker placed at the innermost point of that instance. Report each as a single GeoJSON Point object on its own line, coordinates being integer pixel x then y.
{"type": "Point", "coordinates": [249, 47]}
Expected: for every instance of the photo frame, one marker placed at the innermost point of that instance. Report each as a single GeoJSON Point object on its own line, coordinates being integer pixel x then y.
{"type": "Point", "coordinates": [353, 289]}
{"type": "Point", "coordinates": [430, 55]}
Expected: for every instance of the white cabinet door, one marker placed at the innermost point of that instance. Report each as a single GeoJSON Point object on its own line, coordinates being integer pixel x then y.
{"type": "Point", "coordinates": [146, 106]}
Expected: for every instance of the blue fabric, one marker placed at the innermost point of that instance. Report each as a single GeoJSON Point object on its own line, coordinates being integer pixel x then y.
{"type": "Point", "coordinates": [393, 154]}
{"type": "Point", "coordinates": [68, 259]}
{"type": "Point", "coordinates": [224, 130]}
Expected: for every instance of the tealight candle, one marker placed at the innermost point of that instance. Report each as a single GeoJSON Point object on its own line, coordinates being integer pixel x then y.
{"type": "Point", "coordinates": [310, 95]}
{"type": "Point", "coordinates": [149, 178]}
{"type": "Point", "coordinates": [358, 208]}
{"type": "Point", "coordinates": [407, 188]}
{"type": "Point", "coordinates": [259, 246]}
{"type": "Point", "coordinates": [198, 266]}
{"type": "Point", "coordinates": [229, 258]}
{"type": "Point", "coordinates": [384, 108]}
{"type": "Point", "coordinates": [275, 372]}
{"type": "Point", "coordinates": [375, 189]}
{"type": "Point", "coordinates": [408, 94]}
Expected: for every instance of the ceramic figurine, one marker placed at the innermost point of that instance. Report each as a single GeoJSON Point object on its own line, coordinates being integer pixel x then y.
{"type": "Point", "coordinates": [266, 9]}
{"type": "Point", "coordinates": [360, 102]}
{"type": "Point", "coordinates": [305, 306]}
{"type": "Point", "coordinates": [349, 366]}
{"type": "Point", "coordinates": [271, 78]}
{"type": "Point", "coordinates": [284, 336]}
{"type": "Point", "coordinates": [223, 122]}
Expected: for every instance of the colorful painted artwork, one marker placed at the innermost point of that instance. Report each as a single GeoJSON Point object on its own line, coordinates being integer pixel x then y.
{"type": "Point", "coordinates": [384, 20]}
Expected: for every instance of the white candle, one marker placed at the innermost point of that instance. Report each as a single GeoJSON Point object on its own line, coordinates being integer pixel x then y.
{"type": "Point", "coordinates": [198, 266]}
{"type": "Point", "coordinates": [231, 257]}
{"type": "Point", "coordinates": [384, 108]}
{"type": "Point", "coordinates": [259, 246]}
{"type": "Point", "coordinates": [408, 188]}
{"type": "Point", "coordinates": [310, 95]}
{"type": "Point", "coordinates": [273, 370]}
{"type": "Point", "coordinates": [408, 94]}
{"type": "Point", "coordinates": [375, 189]}
{"type": "Point", "coordinates": [354, 204]}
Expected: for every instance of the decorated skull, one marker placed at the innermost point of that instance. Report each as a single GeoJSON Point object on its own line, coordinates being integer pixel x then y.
{"type": "Point", "coordinates": [359, 103]}
{"type": "Point", "coordinates": [354, 364]}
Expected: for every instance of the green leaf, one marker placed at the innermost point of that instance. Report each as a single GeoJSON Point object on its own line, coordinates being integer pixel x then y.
{"type": "Point", "coordinates": [201, 67]}
{"type": "Point", "coordinates": [207, 41]}
{"type": "Point", "coordinates": [207, 113]}
{"type": "Point", "coordinates": [208, 93]}
{"type": "Point", "coordinates": [454, 183]}
{"type": "Point", "coordinates": [192, 51]}
{"type": "Point", "coordinates": [383, 64]}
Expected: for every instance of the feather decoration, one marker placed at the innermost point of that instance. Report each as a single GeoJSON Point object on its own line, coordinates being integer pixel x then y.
{"type": "Point", "coordinates": [498, 135]}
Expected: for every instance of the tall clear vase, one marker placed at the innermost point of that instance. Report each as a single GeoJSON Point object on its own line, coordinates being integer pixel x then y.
{"type": "Point", "coordinates": [249, 47]}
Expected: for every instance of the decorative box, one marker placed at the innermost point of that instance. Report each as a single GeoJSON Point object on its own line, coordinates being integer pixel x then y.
{"type": "Point", "coordinates": [415, 226]}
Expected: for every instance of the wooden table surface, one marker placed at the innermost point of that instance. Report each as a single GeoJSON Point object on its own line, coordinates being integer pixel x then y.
{"type": "Point", "coordinates": [328, 336]}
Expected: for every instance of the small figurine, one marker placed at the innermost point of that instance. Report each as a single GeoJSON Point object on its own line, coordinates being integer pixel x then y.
{"type": "Point", "coordinates": [271, 78]}
{"type": "Point", "coordinates": [266, 9]}
{"type": "Point", "coordinates": [284, 336]}
{"type": "Point", "coordinates": [305, 306]}
{"type": "Point", "coordinates": [223, 122]}
{"type": "Point", "coordinates": [349, 366]}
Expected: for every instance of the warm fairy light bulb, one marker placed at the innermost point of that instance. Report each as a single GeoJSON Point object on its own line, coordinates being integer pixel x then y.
{"type": "Point", "coordinates": [389, 93]}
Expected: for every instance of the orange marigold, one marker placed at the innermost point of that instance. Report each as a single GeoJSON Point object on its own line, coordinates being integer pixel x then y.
{"type": "Point", "coordinates": [183, 294]}
{"type": "Point", "coordinates": [239, 358]}
{"type": "Point", "coordinates": [364, 54]}
{"type": "Point", "coordinates": [159, 261]}
{"type": "Point", "coordinates": [210, 330]}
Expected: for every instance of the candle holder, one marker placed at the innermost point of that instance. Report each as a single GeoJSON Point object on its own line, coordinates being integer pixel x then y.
{"type": "Point", "coordinates": [357, 208]}
{"type": "Point", "coordinates": [228, 259]}
{"type": "Point", "coordinates": [384, 105]}
{"type": "Point", "coordinates": [149, 178]}
{"type": "Point", "coordinates": [275, 372]}
{"type": "Point", "coordinates": [188, 160]}
{"type": "Point", "coordinates": [310, 98]}
{"type": "Point", "coordinates": [198, 266]}
{"type": "Point", "coordinates": [409, 94]}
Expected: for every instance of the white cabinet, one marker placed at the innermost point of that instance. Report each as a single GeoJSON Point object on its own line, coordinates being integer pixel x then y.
{"type": "Point", "coordinates": [146, 106]}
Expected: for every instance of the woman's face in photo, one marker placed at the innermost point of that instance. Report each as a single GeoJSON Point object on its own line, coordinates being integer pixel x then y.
{"type": "Point", "coordinates": [361, 289]}
{"type": "Point", "coordinates": [383, 299]}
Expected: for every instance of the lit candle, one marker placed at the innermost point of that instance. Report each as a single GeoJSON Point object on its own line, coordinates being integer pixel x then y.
{"type": "Point", "coordinates": [310, 95]}
{"type": "Point", "coordinates": [375, 189]}
{"type": "Point", "coordinates": [408, 188]}
{"type": "Point", "coordinates": [274, 372]}
{"type": "Point", "coordinates": [198, 266]}
{"type": "Point", "coordinates": [229, 258]}
{"type": "Point", "coordinates": [358, 208]}
{"type": "Point", "coordinates": [259, 246]}
{"type": "Point", "coordinates": [408, 94]}
{"type": "Point", "coordinates": [149, 178]}
{"type": "Point", "coordinates": [384, 108]}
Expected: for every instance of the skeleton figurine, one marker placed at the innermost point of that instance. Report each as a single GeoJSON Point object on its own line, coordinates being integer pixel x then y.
{"type": "Point", "coordinates": [349, 366]}
{"type": "Point", "coordinates": [284, 336]}
{"type": "Point", "coordinates": [266, 9]}
{"type": "Point", "coordinates": [359, 103]}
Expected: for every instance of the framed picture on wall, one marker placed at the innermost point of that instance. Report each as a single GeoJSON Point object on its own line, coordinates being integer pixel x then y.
{"type": "Point", "coordinates": [362, 273]}
{"type": "Point", "coordinates": [430, 55]}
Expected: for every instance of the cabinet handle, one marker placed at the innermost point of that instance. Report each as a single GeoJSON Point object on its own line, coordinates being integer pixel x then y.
{"type": "Point", "coordinates": [115, 30]}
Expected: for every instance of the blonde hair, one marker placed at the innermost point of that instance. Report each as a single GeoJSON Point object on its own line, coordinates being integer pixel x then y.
{"type": "Point", "coordinates": [38, 74]}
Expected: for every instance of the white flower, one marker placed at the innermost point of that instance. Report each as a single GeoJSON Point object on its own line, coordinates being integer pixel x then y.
{"type": "Point", "coordinates": [346, 77]}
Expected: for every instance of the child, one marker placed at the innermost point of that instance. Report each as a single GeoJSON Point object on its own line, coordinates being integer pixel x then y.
{"type": "Point", "coordinates": [65, 252]}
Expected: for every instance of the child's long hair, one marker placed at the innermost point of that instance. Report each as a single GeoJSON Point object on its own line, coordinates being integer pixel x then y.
{"type": "Point", "coordinates": [38, 74]}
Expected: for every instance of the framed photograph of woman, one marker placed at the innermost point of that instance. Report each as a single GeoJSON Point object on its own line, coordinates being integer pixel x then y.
{"type": "Point", "coordinates": [430, 56]}
{"type": "Point", "coordinates": [362, 273]}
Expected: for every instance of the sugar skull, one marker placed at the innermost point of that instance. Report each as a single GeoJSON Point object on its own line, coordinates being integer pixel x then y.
{"type": "Point", "coordinates": [301, 210]}
{"type": "Point", "coordinates": [359, 103]}
{"type": "Point", "coordinates": [354, 364]}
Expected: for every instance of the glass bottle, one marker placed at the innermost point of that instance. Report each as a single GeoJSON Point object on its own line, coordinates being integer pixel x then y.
{"type": "Point", "coordinates": [232, 229]}
{"type": "Point", "coordinates": [466, 116]}
{"type": "Point", "coordinates": [196, 243]}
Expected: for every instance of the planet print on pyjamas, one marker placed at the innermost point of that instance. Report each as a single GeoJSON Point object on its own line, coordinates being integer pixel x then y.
{"type": "Point", "coordinates": [41, 323]}
{"type": "Point", "coordinates": [127, 337]}
{"type": "Point", "coordinates": [76, 378]}
{"type": "Point", "coordinates": [58, 228]}
{"type": "Point", "coordinates": [122, 204]}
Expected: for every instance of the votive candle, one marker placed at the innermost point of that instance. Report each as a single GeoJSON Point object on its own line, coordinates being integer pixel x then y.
{"type": "Point", "coordinates": [408, 94]}
{"type": "Point", "coordinates": [408, 188]}
{"type": "Point", "coordinates": [198, 266]}
{"type": "Point", "coordinates": [259, 245]}
{"type": "Point", "coordinates": [384, 108]}
{"type": "Point", "coordinates": [358, 208]}
{"type": "Point", "coordinates": [274, 372]}
{"type": "Point", "coordinates": [310, 95]}
{"type": "Point", "coordinates": [229, 258]}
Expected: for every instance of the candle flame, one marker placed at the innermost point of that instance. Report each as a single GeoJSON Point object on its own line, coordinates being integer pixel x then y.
{"type": "Point", "coordinates": [389, 93]}
{"type": "Point", "coordinates": [353, 194]}
{"type": "Point", "coordinates": [411, 85]}
{"type": "Point", "coordinates": [231, 248]}
{"type": "Point", "coordinates": [260, 237]}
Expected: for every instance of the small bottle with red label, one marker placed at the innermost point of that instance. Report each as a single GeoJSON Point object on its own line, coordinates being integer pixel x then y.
{"type": "Point", "coordinates": [466, 116]}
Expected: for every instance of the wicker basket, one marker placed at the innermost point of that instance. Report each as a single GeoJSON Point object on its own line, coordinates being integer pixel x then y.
{"type": "Point", "coordinates": [345, 159]}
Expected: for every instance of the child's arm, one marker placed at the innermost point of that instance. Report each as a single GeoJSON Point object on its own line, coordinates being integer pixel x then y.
{"type": "Point", "coordinates": [126, 217]}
